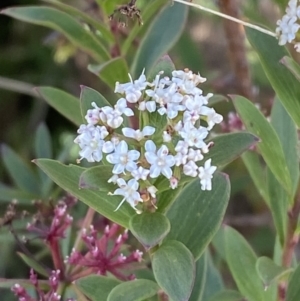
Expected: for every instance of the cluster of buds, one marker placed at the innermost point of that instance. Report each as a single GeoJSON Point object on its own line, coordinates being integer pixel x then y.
{"type": "Point", "coordinates": [51, 295]}
{"type": "Point", "coordinates": [288, 27]}
{"type": "Point", "coordinates": [140, 156]}
{"type": "Point", "coordinates": [102, 258]}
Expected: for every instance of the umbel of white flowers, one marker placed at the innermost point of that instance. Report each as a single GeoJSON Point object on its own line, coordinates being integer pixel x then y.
{"type": "Point", "coordinates": [140, 156]}
{"type": "Point", "coordinates": [288, 27]}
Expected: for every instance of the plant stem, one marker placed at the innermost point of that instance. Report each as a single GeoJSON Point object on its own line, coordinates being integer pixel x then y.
{"type": "Point", "coordinates": [256, 27]}
{"type": "Point", "coordinates": [56, 256]}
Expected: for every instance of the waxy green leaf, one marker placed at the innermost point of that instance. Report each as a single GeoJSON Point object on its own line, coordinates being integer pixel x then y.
{"type": "Point", "coordinates": [112, 71]}
{"type": "Point", "coordinates": [62, 22]}
{"type": "Point", "coordinates": [199, 212]}
{"type": "Point", "coordinates": [65, 103]}
{"type": "Point", "coordinates": [32, 263]}
{"type": "Point", "coordinates": [96, 178]}
{"type": "Point", "coordinates": [67, 177]}
{"type": "Point", "coordinates": [22, 175]}
{"type": "Point", "coordinates": [208, 280]}
{"type": "Point", "coordinates": [293, 66]}
{"type": "Point", "coordinates": [87, 97]}
{"type": "Point", "coordinates": [293, 290]}
{"type": "Point", "coordinates": [164, 64]}
{"type": "Point", "coordinates": [97, 288]}
{"type": "Point", "coordinates": [149, 228]}
{"type": "Point", "coordinates": [137, 290]}
{"type": "Point", "coordinates": [270, 146]}
{"type": "Point", "coordinates": [164, 31]}
{"type": "Point", "coordinates": [174, 270]}
{"type": "Point", "coordinates": [268, 271]}
{"type": "Point", "coordinates": [241, 261]}
{"type": "Point", "coordinates": [284, 83]}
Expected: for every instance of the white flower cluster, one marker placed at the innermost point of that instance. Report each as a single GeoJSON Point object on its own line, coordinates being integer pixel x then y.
{"type": "Point", "coordinates": [140, 156]}
{"type": "Point", "coordinates": [288, 27]}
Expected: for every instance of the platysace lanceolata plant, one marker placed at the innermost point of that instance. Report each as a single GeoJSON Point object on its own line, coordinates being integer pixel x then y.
{"type": "Point", "coordinates": [140, 156]}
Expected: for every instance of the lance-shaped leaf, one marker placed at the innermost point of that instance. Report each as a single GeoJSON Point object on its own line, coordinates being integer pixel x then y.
{"type": "Point", "coordinates": [65, 103]}
{"type": "Point", "coordinates": [97, 178]}
{"type": "Point", "coordinates": [22, 175]}
{"type": "Point", "coordinates": [149, 228]}
{"type": "Point", "coordinates": [174, 270]}
{"type": "Point", "coordinates": [97, 288]}
{"type": "Point", "coordinates": [67, 177]}
{"type": "Point", "coordinates": [284, 83]}
{"type": "Point", "coordinates": [208, 280]}
{"type": "Point", "coordinates": [88, 96]}
{"type": "Point", "coordinates": [137, 290]}
{"type": "Point", "coordinates": [164, 64]}
{"type": "Point", "coordinates": [103, 31]}
{"type": "Point", "coordinates": [196, 215]}
{"type": "Point", "coordinates": [62, 22]}
{"type": "Point", "coordinates": [165, 30]}
{"type": "Point", "coordinates": [268, 271]}
{"type": "Point", "coordinates": [270, 146]}
{"type": "Point", "coordinates": [293, 66]}
{"type": "Point", "coordinates": [257, 172]}
{"type": "Point", "coordinates": [32, 263]}
{"type": "Point", "coordinates": [293, 291]}
{"type": "Point", "coordinates": [112, 71]}
{"type": "Point", "coordinates": [241, 261]}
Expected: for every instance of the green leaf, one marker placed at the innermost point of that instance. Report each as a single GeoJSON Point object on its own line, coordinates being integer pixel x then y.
{"type": "Point", "coordinates": [174, 270]}
{"type": "Point", "coordinates": [279, 198]}
{"type": "Point", "coordinates": [97, 288]}
{"type": "Point", "coordinates": [292, 66]}
{"type": "Point", "coordinates": [43, 149]}
{"type": "Point", "coordinates": [65, 103]}
{"type": "Point", "coordinates": [252, 161]}
{"type": "Point", "coordinates": [26, 283]}
{"type": "Point", "coordinates": [19, 171]}
{"type": "Point", "coordinates": [43, 144]}
{"type": "Point", "coordinates": [32, 263]}
{"type": "Point", "coordinates": [163, 64]}
{"type": "Point", "coordinates": [241, 262]}
{"type": "Point", "coordinates": [228, 147]}
{"type": "Point", "coordinates": [102, 30]}
{"type": "Point", "coordinates": [196, 215]}
{"type": "Point", "coordinates": [287, 133]}
{"type": "Point", "coordinates": [67, 177]}
{"type": "Point", "coordinates": [283, 82]}
{"type": "Point", "coordinates": [8, 194]}
{"type": "Point", "coordinates": [137, 290]}
{"type": "Point", "coordinates": [62, 22]}
{"type": "Point", "coordinates": [112, 71]}
{"type": "Point", "coordinates": [269, 272]}
{"type": "Point", "coordinates": [270, 146]}
{"type": "Point", "coordinates": [96, 178]}
{"type": "Point", "coordinates": [87, 97]}
{"type": "Point", "coordinates": [293, 290]}
{"type": "Point", "coordinates": [208, 280]}
{"type": "Point", "coordinates": [149, 228]}
{"type": "Point", "coordinates": [228, 295]}
{"type": "Point", "coordinates": [164, 31]}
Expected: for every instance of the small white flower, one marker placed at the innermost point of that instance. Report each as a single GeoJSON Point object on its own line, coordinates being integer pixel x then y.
{"type": "Point", "coordinates": [212, 117]}
{"type": "Point", "coordinates": [161, 161]}
{"type": "Point", "coordinates": [152, 190]}
{"type": "Point", "coordinates": [190, 169]}
{"type": "Point", "coordinates": [93, 115]}
{"type": "Point", "coordinates": [113, 179]}
{"type": "Point", "coordinates": [123, 159]}
{"type": "Point", "coordinates": [121, 107]}
{"type": "Point", "coordinates": [194, 136]}
{"type": "Point", "coordinates": [129, 191]}
{"type": "Point", "coordinates": [173, 182]}
{"type": "Point", "coordinates": [137, 134]}
{"type": "Point", "coordinates": [140, 173]}
{"type": "Point", "coordinates": [195, 155]}
{"type": "Point", "coordinates": [166, 137]}
{"type": "Point", "coordinates": [206, 174]}
{"type": "Point", "coordinates": [111, 117]}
